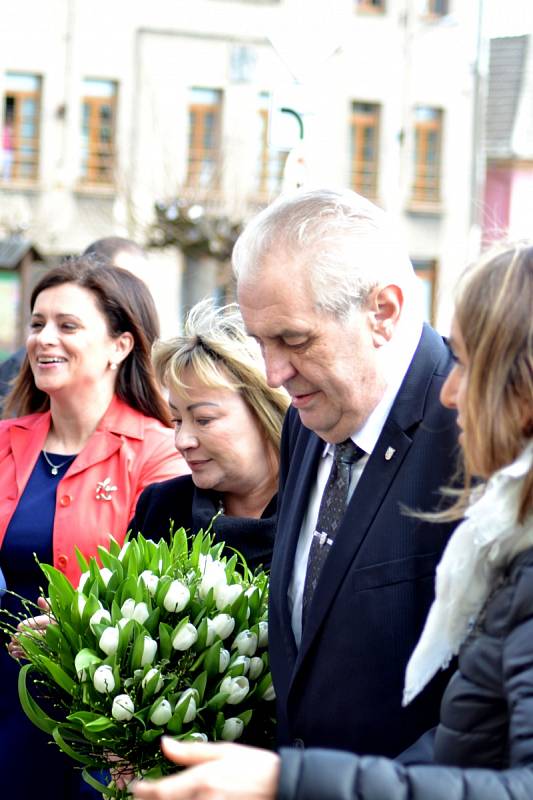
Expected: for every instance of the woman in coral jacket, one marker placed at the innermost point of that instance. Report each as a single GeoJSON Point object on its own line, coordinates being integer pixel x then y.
{"type": "Point", "coordinates": [482, 748]}
{"type": "Point", "coordinates": [90, 431]}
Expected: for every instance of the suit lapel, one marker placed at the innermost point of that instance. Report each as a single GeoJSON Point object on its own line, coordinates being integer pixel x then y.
{"type": "Point", "coordinates": [304, 460]}
{"type": "Point", "coordinates": [366, 500]}
{"type": "Point", "coordinates": [374, 484]}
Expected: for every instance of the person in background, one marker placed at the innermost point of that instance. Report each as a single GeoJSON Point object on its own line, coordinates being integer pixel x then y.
{"type": "Point", "coordinates": [483, 746]}
{"type": "Point", "coordinates": [87, 431]}
{"type": "Point", "coordinates": [118, 252]}
{"type": "Point", "coordinates": [227, 424]}
{"type": "Point", "coordinates": [112, 250]}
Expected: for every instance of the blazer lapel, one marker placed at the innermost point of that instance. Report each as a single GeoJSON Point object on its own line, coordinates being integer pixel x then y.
{"type": "Point", "coordinates": [26, 444]}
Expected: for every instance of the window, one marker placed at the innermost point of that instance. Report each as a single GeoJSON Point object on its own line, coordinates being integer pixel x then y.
{"type": "Point", "coordinates": [270, 160]}
{"type": "Point", "coordinates": [205, 112]}
{"type": "Point", "coordinates": [437, 8]}
{"type": "Point", "coordinates": [370, 5]}
{"type": "Point", "coordinates": [426, 271]}
{"type": "Point", "coordinates": [20, 127]}
{"type": "Point", "coordinates": [428, 141]}
{"type": "Point", "coordinates": [98, 131]}
{"type": "Point", "coordinates": [364, 148]}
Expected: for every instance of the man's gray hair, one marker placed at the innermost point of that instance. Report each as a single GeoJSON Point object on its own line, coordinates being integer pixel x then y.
{"type": "Point", "coordinates": [346, 244]}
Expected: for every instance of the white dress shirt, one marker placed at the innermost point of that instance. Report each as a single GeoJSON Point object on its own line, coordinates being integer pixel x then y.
{"type": "Point", "coordinates": [365, 438]}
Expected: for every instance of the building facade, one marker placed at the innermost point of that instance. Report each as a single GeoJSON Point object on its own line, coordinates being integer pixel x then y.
{"type": "Point", "coordinates": [109, 107]}
{"type": "Point", "coordinates": [509, 140]}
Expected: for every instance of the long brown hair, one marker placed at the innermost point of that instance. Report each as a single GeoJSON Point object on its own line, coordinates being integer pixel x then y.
{"type": "Point", "coordinates": [127, 305]}
{"type": "Point", "coordinates": [494, 312]}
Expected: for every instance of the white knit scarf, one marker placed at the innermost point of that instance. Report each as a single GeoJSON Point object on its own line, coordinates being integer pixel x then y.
{"type": "Point", "coordinates": [485, 541]}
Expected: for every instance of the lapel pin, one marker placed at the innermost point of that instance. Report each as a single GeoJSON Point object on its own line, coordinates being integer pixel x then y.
{"type": "Point", "coordinates": [389, 452]}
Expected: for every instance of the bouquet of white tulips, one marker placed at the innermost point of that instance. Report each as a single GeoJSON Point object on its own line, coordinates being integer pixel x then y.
{"type": "Point", "coordinates": [164, 638]}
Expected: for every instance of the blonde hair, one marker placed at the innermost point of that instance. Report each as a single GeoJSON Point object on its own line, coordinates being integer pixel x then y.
{"type": "Point", "coordinates": [217, 349]}
{"type": "Point", "coordinates": [494, 312]}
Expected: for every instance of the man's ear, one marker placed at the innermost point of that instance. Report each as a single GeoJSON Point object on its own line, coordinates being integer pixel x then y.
{"type": "Point", "coordinates": [386, 304]}
{"type": "Point", "coordinates": [123, 346]}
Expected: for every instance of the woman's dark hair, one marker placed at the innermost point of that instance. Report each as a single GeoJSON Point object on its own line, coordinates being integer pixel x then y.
{"type": "Point", "coordinates": [127, 305]}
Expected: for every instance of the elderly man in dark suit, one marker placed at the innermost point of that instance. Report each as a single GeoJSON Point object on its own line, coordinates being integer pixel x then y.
{"type": "Point", "coordinates": [327, 289]}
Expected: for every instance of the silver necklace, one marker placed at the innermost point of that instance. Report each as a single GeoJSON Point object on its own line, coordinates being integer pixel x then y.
{"type": "Point", "coordinates": [54, 468]}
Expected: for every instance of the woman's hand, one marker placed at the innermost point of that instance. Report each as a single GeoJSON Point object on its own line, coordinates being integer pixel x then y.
{"type": "Point", "coordinates": [38, 623]}
{"type": "Point", "coordinates": [217, 772]}
{"type": "Point", "coordinates": [122, 772]}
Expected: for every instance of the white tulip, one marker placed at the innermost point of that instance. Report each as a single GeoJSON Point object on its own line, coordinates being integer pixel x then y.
{"type": "Point", "coordinates": [211, 633]}
{"type": "Point", "coordinates": [123, 708]}
{"type": "Point", "coordinates": [223, 659]}
{"type": "Point", "coordinates": [100, 615]}
{"type": "Point", "coordinates": [161, 713]}
{"type": "Point", "coordinates": [103, 680]}
{"type": "Point", "coordinates": [185, 637]}
{"type": "Point", "coordinates": [232, 729]}
{"type": "Point", "coordinates": [84, 577]}
{"type": "Point", "coordinates": [82, 601]}
{"type": "Point", "coordinates": [177, 597]}
{"type": "Point", "coordinates": [213, 573]}
{"type": "Point", "coordinates": [256, 667]}
{"type": "Point", "coordinates": [122, 622]}
{"type": "Point", "coordinates": [262, 639]}
{"type": "Point", "coordinates": [197, 737]}
{"type": "Point", "coordinates": [123, 550]}
{"type": "Point", "coordinates": [223, 625]}
{"type": "Point", "coordinates": [244, 660]}
{"type": "Point", "coordinates": [148, 677]}
{"type": "Point", "coordinates": [188, 697]}
{"type": "Point", "coordinates": [109, 641]}
{"type": "Point", "coordinates": [246, 643]}
{"type": "Point", "coordinates": [128, 607]}
{"type": "Point", "coordinates": [226, 594]}
{"type": "Point", "coordinates": [106, 575]}
{"type": "Point", "coordinates": [269, 693]}
{"type": "Point", "coordinates": [237, 688]}
{"type": "Point", "coordinates": [150, 580]}
{"type": "Point", "coordinates": [82, 661]}
{"type": "Point", "coordinates": [149, 651]}
{"type": "Point", "coordinates": [141, 613]}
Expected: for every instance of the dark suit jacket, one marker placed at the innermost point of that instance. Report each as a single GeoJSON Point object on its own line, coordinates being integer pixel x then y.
{"type": "Point", "coordinates": [343, 687]}
{"type": "Point", "coordinates": [179, 500]}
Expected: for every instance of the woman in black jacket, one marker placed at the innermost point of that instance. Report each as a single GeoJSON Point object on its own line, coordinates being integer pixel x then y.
{"type": "Point", "coordinates": [227, 427]}
{"type": "Point", "coordinates": [482, 748]}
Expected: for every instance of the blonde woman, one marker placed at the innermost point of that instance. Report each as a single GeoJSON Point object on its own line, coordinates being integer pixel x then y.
{"type": "Point", "coordinates": [227, 423]}
{"type": "Point", "coordinates": [482, 748]}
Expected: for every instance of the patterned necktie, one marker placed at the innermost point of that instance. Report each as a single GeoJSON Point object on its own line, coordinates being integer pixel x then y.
{"type": "Point", "coordinates": [332, 508]}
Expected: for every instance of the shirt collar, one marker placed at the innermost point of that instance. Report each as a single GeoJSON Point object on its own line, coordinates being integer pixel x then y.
{"type": "Point", "coordinates": [367, 436]}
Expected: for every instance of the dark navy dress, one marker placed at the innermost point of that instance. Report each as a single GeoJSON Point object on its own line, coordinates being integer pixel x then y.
{"type": "Point", "coordinates": [31, 766]}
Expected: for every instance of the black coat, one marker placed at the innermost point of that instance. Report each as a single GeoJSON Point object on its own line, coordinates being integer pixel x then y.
{"type": "Point", "coordinates": [342, 687]}
{"type": "Point", "coordinates": [180, 501]}
{"type": "Point", "coordinates": [486, 723]}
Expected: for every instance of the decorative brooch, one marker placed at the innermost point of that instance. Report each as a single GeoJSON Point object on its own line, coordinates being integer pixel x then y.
{"type": "Point", "coordinates": [104, 490]}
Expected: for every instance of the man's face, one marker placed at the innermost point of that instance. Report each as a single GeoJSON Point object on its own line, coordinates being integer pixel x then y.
{"type": "Point", "coordinates": [328, 366]}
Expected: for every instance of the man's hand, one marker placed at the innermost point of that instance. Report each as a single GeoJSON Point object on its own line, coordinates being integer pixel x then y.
{"type": "Point", "coordinates": [217, 772]}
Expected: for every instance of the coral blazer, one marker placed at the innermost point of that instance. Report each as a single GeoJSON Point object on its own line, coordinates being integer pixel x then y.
{"type": "Point", "coordinates": [97, 495]}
